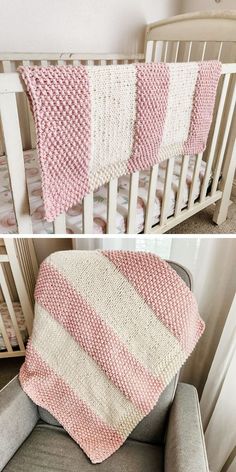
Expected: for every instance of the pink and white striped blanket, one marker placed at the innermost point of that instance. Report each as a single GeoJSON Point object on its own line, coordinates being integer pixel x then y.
{"type": "Point", "coordinates": [95, 123]}
{"type": "Point", "coordinates": [122, 325]}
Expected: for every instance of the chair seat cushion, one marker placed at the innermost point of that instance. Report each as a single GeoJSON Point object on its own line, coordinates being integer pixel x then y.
{"type": "Point", "coordinates": [50, 448]}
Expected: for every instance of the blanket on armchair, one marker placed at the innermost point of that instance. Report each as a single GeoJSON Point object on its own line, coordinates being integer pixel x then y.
{"type": "Point", "coordinates": [111, 329]}
{"type": "Point", "coordinates": [95, 123]}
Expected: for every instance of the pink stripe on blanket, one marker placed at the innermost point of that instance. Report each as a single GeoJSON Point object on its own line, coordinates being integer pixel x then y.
{"type": "Point", "coordinates": [151, 104]}
{"type": "Point", "coordinates": [203, 106]}
{"type": "Point", "coordinates": [170, 297]}
{"type": "Point", "coordinates": [49, 391]}
{"type": "Point", "coordinates": [60, 100]}
{"type": "Point", "coordinates": [96, 338]}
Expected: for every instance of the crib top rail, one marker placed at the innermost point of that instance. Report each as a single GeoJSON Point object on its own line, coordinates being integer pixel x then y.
{"type": "Point", "coordinates": [11, 82]}
{"type": "Point", "coordinates": [198, 26]}
{"type": "Point", "coordinates": [10, 61]}
{"type": "Point", "coordinates": [55, 56]}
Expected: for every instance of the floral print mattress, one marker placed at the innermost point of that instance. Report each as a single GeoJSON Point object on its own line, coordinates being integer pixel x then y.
{"type": "Point", "coordinates": [74, 216]}
{"type": "Point", "coordinates": [4, 313]}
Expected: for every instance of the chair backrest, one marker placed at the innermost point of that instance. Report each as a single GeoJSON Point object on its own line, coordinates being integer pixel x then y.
{"type": "Point", "coordinates": [152, 428]}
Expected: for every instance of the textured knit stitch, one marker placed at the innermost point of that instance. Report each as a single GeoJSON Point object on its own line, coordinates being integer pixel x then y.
{"type": "Point", "coordinates": [151, 97]}
{"type": "Point", "coordinates": [59, 98]}
{"type": "Point", "coordinates": [119, 337]}
{"type": "Point", "coordinates": [179, 105]}
{"type": "Point", "coordinates": [202, 111]}
{"type": "Point", "coordinates": [111, 94]}
{"type": "Point", "coordinates": [94, 123]}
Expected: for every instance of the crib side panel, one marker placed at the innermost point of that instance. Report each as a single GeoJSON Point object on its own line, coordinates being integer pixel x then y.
{"type": "Point", "coordinates": [218, 168]}
{"type": "Point", "coordinates": [214, 157]}
{"type": "Point", "coordinates": [16, 308]}
{"type": "Point", "coordinates": [201, 36]}
{"type": "Point", "coordinates": [13, 149]}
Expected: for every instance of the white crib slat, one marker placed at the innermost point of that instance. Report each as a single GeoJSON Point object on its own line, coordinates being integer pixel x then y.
{"type": "Point", "coordinates": [224, 142]}
{"type": "Point", "coordinates": [30, 118]}
{"type": "Point", "coordinates": [2, 152]}
{"type": "Point", "coordinates": [176, 51]}
{"type": "Point", "coordinates": [167, 190]}
{"type": "Point", "coordinates": [220, 50]}
{"type": "Point", "coordinates": [10, 83]}
{"type": "Point", "coordinates": [111, 206]}
{"type": "Point", "coordinates": [22, 246]}
{"type": "Point", "coordinates": [4, 334]}
{"type": "Point", "coordinates": [20, 283]}
{"type": "Point", "coordinates": [154, 51]}
{"type": "Point", "coordinates": [148, 51]}
{"type": "Point", "coordinates": [60, 224]}
{"type": "Point", "coordinates": [44, 63]}
{"type": "Point", "coordinates": [151, 198]}
{"type": "Point", "coordinates": [12, 137]}
{"type": "Point", "coordinates": [203, 50]}
{"type": "Point", "coordinates": [6, 66]}
{"type": "Point", "coordinates": [182, 183]}
{"type": "Point", "coordinates": [132, 208]}
{"type": "Point", "coordinates": [165, 51]}
{"type": "Point", "coordinates": [189, 51]}
{"type": "Point", "coordinates": [220, 213]}
{"type": "Point", "coordinates": [194, 180]}
{"type": "Point", "coordinates": [88, 214]}
{"type": "Point", "coordinates": [33, 258]}
{"type": "Point", "coordinates": [11, 288]}
{"type": "Point", "coordinates": [214, 137]}
{"type": "Point", "coordinates": [10, 307]}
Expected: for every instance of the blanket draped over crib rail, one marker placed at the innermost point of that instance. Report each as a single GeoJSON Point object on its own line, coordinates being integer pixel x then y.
{"type": "Point", "coordinates": [95, 123]}
{"type": "Point", "coordinates": [111, 329]}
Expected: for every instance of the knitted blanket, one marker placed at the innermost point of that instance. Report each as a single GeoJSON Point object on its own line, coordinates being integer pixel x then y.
{"type": "Point", "coordinates": [95, 123]}
{"type": "Point", "coordinates": [122, 325]}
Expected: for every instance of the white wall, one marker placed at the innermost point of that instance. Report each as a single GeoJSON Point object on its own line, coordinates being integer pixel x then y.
{"type": "Point", "coordinates": [46, 246]}
{"type": "Point", "coordinates": [212, 262]}
{"type": "Point", "coordinates": [197, 5]}
{"type": "Point", "coordinates": [78, 25]}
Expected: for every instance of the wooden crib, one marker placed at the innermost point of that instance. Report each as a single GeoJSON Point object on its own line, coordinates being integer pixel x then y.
{"type": "Point", "coordinates": [195, 36]}
{"type": "Point", "coordinates": [18, 272]}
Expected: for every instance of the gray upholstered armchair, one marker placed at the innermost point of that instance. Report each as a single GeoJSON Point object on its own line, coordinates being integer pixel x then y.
{"type": "Point", "coordinates": [169, 439]}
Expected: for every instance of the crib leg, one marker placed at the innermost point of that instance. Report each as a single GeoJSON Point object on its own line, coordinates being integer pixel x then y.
{"type": "Point", "coordinates": [221, 210]}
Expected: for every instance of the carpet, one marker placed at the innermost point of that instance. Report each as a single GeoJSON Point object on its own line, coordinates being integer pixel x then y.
{"type": "Point", "coordinates": [202, 223]}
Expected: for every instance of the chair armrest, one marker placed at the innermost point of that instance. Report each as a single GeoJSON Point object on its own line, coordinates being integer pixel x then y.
{"type": "Point", "coordinates": [18, 416]}
{"type": "Point", "coordinates": [185, 446]}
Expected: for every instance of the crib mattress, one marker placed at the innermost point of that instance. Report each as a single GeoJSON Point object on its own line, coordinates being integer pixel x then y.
{"type": "Point", "coordinates": [9, 327]}
{"type": "Point", "coordinates": [74, 215]}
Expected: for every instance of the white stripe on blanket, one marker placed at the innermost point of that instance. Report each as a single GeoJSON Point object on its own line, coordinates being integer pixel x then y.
{"type": "Point", "coordinates": [83, 369]}
{"type": "Point", "coordinates": [112, 138]}
{"type": "Point", "coordinates": [119, 294]}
